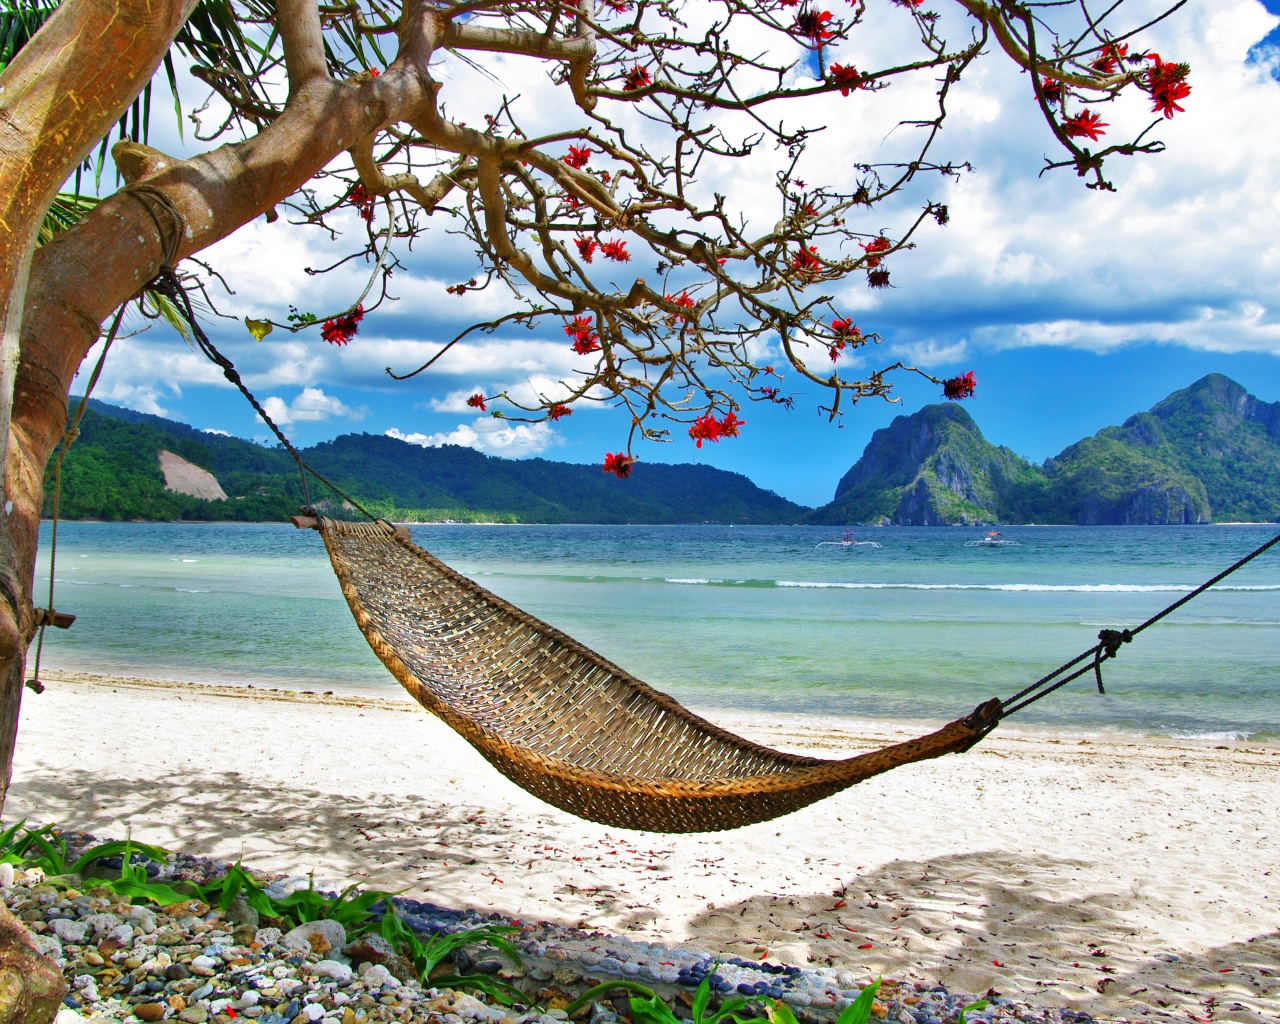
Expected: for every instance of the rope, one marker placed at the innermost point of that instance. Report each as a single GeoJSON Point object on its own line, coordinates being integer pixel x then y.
{"type": "Point", "coordinates": [47, 615]}
{"type": "Point", "coordinates": [166, 282]}
{"type": "Point", "coordinates": [1111, 640]}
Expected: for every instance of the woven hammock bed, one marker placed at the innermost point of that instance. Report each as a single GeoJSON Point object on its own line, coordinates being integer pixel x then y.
{"type": "Point", "coordinates": [564, 723]}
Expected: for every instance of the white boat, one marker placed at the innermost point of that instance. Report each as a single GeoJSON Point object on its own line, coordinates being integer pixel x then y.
{"type": "Point", "coordinates": [846, 541]}
{"type": "Point", "coordinates": [993, 540]}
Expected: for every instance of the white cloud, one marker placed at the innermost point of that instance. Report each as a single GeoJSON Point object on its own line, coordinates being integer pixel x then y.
{"type": "Point", "coordinates": [309, 405]}
{"type": "Point", "coordinates": [491, 436]}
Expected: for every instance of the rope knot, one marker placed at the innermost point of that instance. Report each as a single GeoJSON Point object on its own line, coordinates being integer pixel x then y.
{"type": "Point", "coordinates": [1111, 639]}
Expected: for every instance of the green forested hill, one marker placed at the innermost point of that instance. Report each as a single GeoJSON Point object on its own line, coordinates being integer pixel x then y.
{"type": "Point", "coordinates": [1208, 452]}
{"type": "Point", "coordinates": [112, 472]}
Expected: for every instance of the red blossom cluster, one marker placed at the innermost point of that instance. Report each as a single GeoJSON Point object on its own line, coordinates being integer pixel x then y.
{"type": "Point", "coordinates": [461, 289]}
{"type": "Point", "coordinates": [958, 388]}
{"type": "Point", "coordinates": [618, 6]}
{"type": "Point", "coordinates": [586, 248]}
{"type": "Point", "coordinates": [585, 339]}
{"type": "Point", "coordinates": [616, 249]}
{"type": "Point", "coordinates": [619, 464]}
{"type": "Point", "coordinates": [374, 72]}
{"type": "Point", "coordinates": [878, 278]}
{"type": "Point", "coordinates": [341, 329]}
{"type": "Point", "coordinates": [707, 428]}
{"type": "Point", "coordinates": [577, 156]}
{"type": "Point", "coordinates": [558, 412]}
{"type": "Point", "coordinates": [1112, 55]}
{"type": "Point", "coordinates": [683, 300]}
{"type": "Point", "coordinates": [363, 202]}
{"type": "Point", "coordinates": [636, 78]}
{"type": "Point", "coordinates": [806, 261]}
{"type": "Point", "coordinates": [847, 77]}
{"type": "Point", "coordinates": [1052, 90]}
{"type": "Point", "coordinates": [847, 333]}
{"type": "Point", "coordinates": [1167, 84]}
{"type": "Point", "coordinates": [476, 401]}
{"type": "Point", "coordinates": [813, 24]}
{"type": "Point", "coordinates": [1084, 125]}
{"type": "Point", "coordinates": [876, 245]}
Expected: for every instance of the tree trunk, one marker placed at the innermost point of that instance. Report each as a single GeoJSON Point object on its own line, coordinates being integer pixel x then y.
{"type": "Point", "coordinates": [62, 93]}
{"type": "Point", "coordinates": [31, 986]}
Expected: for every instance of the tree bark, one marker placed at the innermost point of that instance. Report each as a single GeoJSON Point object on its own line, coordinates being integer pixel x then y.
{"type": "Point", "coordinates": [62, 93]}
{"type": "Point", "coordinates": [31, 986]}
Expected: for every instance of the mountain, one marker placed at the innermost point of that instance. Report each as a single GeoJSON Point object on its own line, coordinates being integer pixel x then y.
{"type": "Point", "coordinates": [931, 468]}
{"type": "Point", "coordinates": [1208, 452]}
{"type": "Point", "coordinates": [113, 471]}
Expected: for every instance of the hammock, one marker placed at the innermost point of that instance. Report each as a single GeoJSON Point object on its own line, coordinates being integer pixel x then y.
{"type": "Point", "coordinates": [564, 723]}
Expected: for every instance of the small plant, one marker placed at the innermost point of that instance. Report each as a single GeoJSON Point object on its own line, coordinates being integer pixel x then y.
{"type": "Point", "coordinates": [857, 1012]}
{"type": "Point", "coordinates": [655, 1011]}
{"type": "Point", "coordinates": [426, 956]}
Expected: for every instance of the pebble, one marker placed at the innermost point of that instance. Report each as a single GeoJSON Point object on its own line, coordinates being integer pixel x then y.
{"type": "Point", "coordinates": [201, 966]}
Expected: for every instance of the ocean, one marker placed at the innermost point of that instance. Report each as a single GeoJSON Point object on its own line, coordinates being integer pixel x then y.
{"type": "Point", "coordinates": [753, 619]}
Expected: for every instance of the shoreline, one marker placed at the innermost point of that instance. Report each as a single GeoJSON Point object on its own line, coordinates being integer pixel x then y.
{"type": "Point", "coordinates": [878, 728]}
{"type": "Point", "coordinates": [1009, 867]}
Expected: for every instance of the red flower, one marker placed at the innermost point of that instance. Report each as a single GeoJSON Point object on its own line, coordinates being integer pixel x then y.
{"type": "Point", "coordinates": [619, 464]}
{"type": "Point", "coordinates": [848, 78]}
{"type": "Point", "coordinates": [705, 428]}
{"type": "Point", "coordinates": [813, 24]}
{"type": "Point", "coordinates": [1112, 54]}
{"type": "Point", "coordinates": [958, 388]}
{"type": "Point", "coordinates": [577, 156]}
{"type": "Point", "coordinates": [876, 245]}
{"type": "Point", "coordinates": [1052, 90]}
{"type": "Point", "coordinates": [476, 401]}
{"type": "Point", "coordinates": [374, 72]}
{"type": "Point", "coordinates": [557, 412]}
{"type": "Point", "coordinates": [845, 327]}
{"type": "Point", "coordinates": [341, 329]}
{"type": "Point", "coordinates": [618, 6]}
{"type": "Point", "coordinates": [806, 261]}
{"type": "Point", "coordinates": [579, 326]}
{"type": "Point", "coordinates": [586, 248]}
{"type": "Point", "coordinates": [616, 249]}
{"type": "Point", "coordinates": [1086, 124]}
{"type": "Point", "coordinates": [684, 300]}
{"type": "Point", "coordinates": [637, 78]}
{"type": "Point", "coordinates": [363, 202]}
{"type": "Point", "coordinates": [730, 424]}
{"type": "Point", "coordinates": [878, 279]}
{"type": "Point", "coordinates": [584, 336]}
{"type": "Point", "coordinates": [1167, 83]}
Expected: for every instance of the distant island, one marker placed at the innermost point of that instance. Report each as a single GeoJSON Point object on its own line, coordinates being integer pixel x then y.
{"type": "Point", "coordinates": [129, 465]}
{"type": "Point", "coordinates": [1207, 453]}
{"type": "Point", "coordinates": [1210, 452]}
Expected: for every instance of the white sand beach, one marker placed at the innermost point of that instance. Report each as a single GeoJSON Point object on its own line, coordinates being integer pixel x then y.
{"type": "Point", "coordinates": [1122, 877]}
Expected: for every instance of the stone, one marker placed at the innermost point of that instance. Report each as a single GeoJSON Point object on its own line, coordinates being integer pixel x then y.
{"type": "Point", "coordinates": [72, 933]}
{"type": "Point", "coordinates": [373, 948]}
{"type": "Point", "coordinates": [47, 945]}
{"type": "Point", "coordinates": [169, 937]}
{"type": "Point", "coordinates": [333, 934]}
{"type": "Point", "coordinates": [121, 935]}
{"type": "Point", "coordinates": [6, 876]}
{"type": "Point", "coordinates": [339, 972]}
{"type": "Point", "coordinates": [68, 1016]}
{"type": "Point", "coordinates": [312, 1011]}
{"type": "Point", "coordinates": [265, 937]}
{"type": "Point", "coordinates": [177, 1004]}
{"type": "Point", "coordinates": [246, 1001]}
{"type": "Point", "coordinates": [296, 944]}
{"type": "Point", "coordinates": [375, 975]}
{"type": "Point", "coordinates": [194, 1015]}
{"type": "Point", "coordinates": [149, 1011]}
{"type": "Point", "coordinates": [176, 972]}
{"type": "Point", "coordinates": [143, 919]}
{"type": "Point", "coordinates": [101, 924]}
{"type": "Point", "coordinates": [205, 966]}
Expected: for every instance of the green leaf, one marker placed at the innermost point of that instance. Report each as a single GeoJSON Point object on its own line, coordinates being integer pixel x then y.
{"type": "Point", "coordinates": [859, 1011]}
{"type": "Point", "coordinates": [780, 1013]}
{"type": "Point", "coordinates": [116, 848]}
{"type": "Point", "coordinates": [652, 1011]}
{"type": "Point", "coordinates": [506, 994]}
{"type": "Point", "coordinates": [608, 986]}
{"type": "Point", "coordinates": [980, 1004]}
{"type": "Point", "coordinates": [701, 997]}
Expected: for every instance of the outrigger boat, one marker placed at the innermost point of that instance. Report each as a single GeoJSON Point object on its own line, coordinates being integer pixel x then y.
{"type": "Point", "coordinates": [846, 541]}
{"type": "Point", "coordinates": [993, 540]}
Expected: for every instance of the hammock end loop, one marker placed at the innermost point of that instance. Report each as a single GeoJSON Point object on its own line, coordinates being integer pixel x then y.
{"type": "Point", "coordinates": [985, 717]}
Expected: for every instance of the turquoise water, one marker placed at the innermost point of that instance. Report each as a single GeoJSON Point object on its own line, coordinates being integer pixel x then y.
{"type": "Point", "coordinates": [750, 618]}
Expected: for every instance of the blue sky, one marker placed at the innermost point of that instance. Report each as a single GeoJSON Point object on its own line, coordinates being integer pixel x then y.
{"type": "Point", "coordinates": [1075, 309]}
